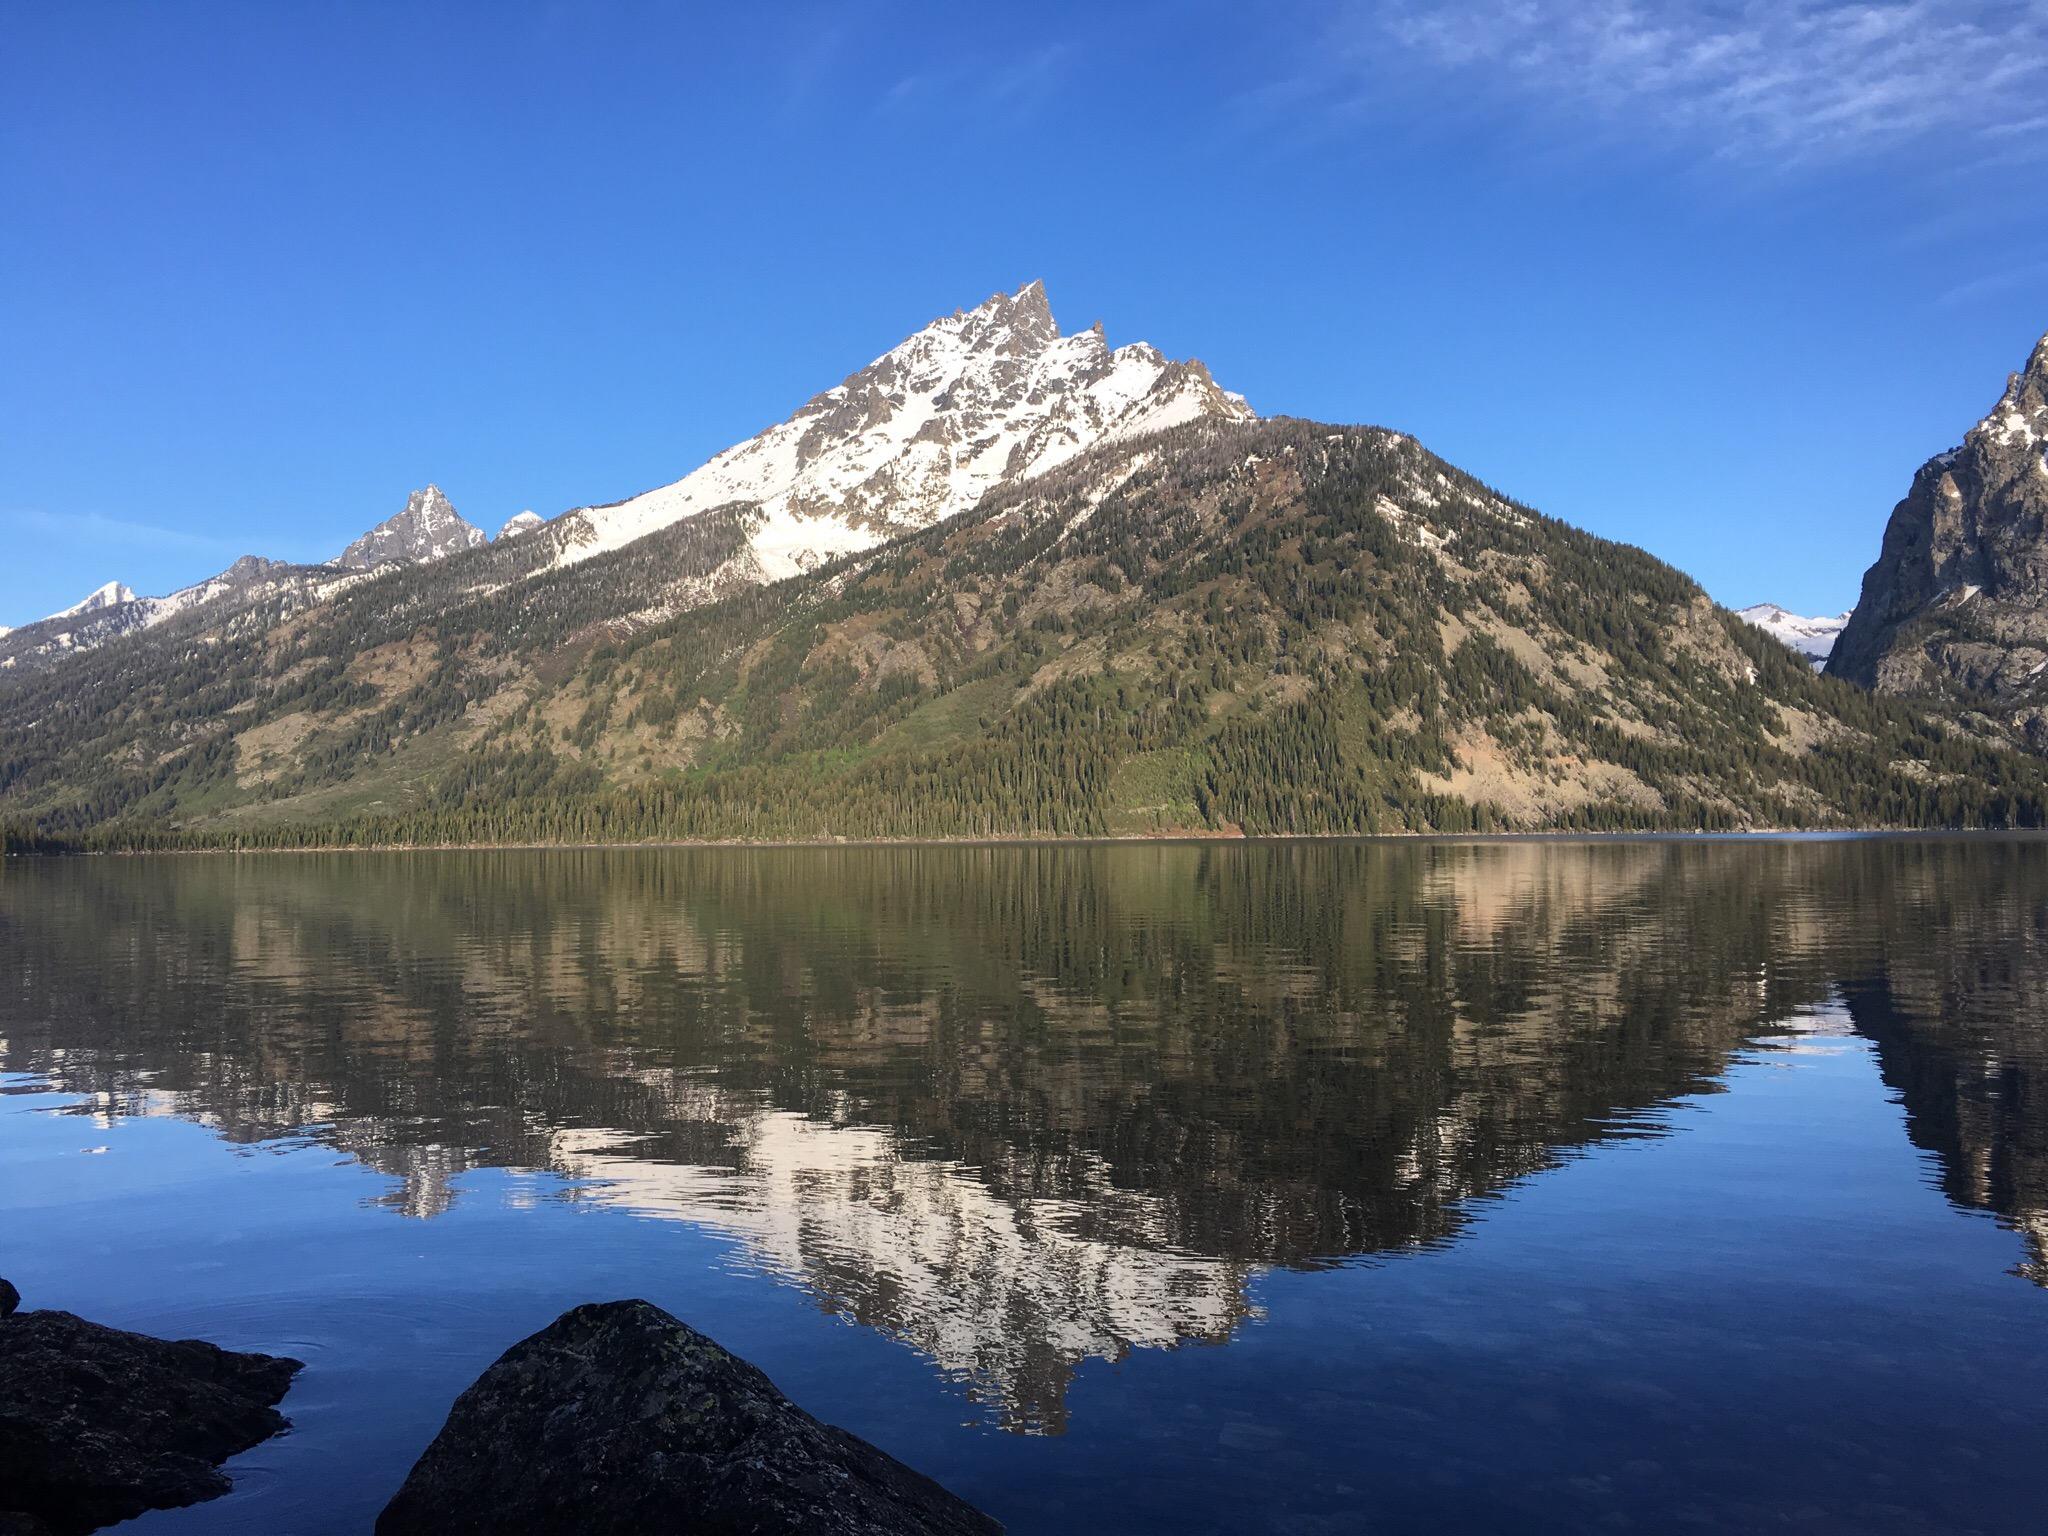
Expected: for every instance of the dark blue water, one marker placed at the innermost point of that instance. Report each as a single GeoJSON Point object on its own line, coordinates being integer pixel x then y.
{"type": "Point", "coordinates": [1292, 1187]}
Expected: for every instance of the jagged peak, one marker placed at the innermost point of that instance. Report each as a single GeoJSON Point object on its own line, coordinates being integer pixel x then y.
{"type": "Point", "coordinates": [976, 399]}
{"type": "Point", "coordinates": [1027, 306]}
{"type": "Point", "coordinates": [2021, 414]}
{"type": "Point", "coordinates": [1020, 322]}
{"type": "Point", "coordinates": [427, 529]}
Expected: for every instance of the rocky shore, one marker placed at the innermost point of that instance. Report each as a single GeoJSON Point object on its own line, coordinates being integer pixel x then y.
{"type": "Point", "coordinates": [614, 1420]}
{"type": "Point", "coordinates": [99, 1425]}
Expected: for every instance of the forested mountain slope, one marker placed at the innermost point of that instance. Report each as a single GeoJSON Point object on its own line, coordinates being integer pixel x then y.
{"type": "Point", "coordinates": [1228, 626]}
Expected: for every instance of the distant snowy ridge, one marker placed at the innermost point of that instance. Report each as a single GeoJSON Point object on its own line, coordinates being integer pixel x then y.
{"type": "Point", "coordinates": [974, 401]}
{"type": "Point", "coordinates": [114, 609]}
{"type": "Point", "coordinates": [99, 600]}
{"type": "Point", "coordinates": [428, 529]}
{"type": "Point", "coordinates": [1812, 638]}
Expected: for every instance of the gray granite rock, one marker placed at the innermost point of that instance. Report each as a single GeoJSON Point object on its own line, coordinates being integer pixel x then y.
{"type": "Point", "coordinates": [1955, 610]}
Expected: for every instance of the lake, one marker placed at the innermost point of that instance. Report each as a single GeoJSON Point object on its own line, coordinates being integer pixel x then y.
{"type": "Point", "coordinates": [1524, 1186]}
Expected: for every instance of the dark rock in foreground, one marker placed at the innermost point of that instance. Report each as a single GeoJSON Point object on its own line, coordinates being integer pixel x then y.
{"type": "Point", "coordinates": [618, 1420]}
{"type": "Point", "coordinates": [99, 1425]}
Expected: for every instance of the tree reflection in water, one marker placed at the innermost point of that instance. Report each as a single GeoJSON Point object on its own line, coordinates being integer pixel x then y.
{"type": "Point", "coordinates": [1023, 1107]}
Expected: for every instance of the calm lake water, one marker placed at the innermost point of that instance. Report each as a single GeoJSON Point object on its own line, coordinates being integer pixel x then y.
{"type": "Point", "coordinates": [1300, 1187]}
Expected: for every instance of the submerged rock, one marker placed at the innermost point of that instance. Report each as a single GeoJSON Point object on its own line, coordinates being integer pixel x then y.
{"type": "Point", "coordinates": [618, 1420]}
{"type": "Point", "coordinates": [99, 1425]}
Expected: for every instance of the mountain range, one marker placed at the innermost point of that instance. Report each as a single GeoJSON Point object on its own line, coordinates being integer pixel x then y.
{"type": "Point", "coordinates": [1002, 581]}
{"type": "Point", "coordinates": [1812, 638]}
{"type": "Point", "coordinates": [428, 528]}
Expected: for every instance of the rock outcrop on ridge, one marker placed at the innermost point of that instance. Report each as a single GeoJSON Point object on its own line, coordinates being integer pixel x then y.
{"type": "Point", "coordinates": [1955, 610]}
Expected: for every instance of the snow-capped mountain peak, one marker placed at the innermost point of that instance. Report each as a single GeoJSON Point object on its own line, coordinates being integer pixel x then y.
{"type": "Point", "coordinates": [109, 595]}
{"type": "Point", "coordinates": [518, 523]}
{"type": "Point", "coordinates": [1811, 638]}
{"type": "Point", "coordinates": [978, 399]}
{"type": "Point", "coordinates": [428, 529]}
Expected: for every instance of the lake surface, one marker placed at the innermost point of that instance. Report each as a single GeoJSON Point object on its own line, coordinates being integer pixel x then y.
{"type": "Point", "coordinates": [1655, 1186]}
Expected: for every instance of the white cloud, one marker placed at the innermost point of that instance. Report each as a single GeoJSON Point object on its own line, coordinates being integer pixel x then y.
{"type": "Point", "coordinates": [1796, 81]}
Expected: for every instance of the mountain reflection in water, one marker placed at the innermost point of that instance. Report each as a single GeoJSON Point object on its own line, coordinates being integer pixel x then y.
{"type": "Point", "coordinates": [1024, 1107]}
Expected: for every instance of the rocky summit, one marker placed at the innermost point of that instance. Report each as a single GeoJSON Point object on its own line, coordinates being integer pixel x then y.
{"type": "Point", "coordinates": [618, 1420]}
{"type": "Point", "coordinates": [428, 529]}
{"type": "Point", "coordinates": [1955, 610]}
{"type": "Point", "coordinates": [980, 399]}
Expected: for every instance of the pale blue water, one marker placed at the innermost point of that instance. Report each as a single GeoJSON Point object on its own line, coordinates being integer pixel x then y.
{"type": "Point", "coordinates": [1337, 1187]}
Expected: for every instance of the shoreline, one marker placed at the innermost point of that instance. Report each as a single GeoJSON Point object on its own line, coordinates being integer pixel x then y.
{"type": "Point", "coordinates": [1127, 839]}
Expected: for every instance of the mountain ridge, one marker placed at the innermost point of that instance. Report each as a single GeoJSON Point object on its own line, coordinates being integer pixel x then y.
{"type": "Point", "coordinates": [1221, 625]}
{"type": "Point", "coordinates": [426, 529]}
{"type": "Point", "coordinates": [970, 402]}
{"type": "Point", "coordinates": [1224, 628]}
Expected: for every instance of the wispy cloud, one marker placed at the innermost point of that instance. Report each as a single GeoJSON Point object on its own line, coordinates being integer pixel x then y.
{"type": "Point", "coordinates": [1010, 89]}
{"type": "Point", "coordinates": [2026, 275]}
{"type": "Point", "coordinates": [116, 533]}
{"type": "Point", "coordinates": [1786, 82]}
{"type": "Point", "coordinates": [1027, 80]}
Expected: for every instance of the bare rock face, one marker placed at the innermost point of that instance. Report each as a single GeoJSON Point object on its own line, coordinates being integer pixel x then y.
{"type": "Point", "coordinates": [99, 1425]}
{"type": "Point", "coordinates": [428, 529]}
{"type": "Point", "coordinates": [618, 1420]}
{"type": "Point", "coordinates": [1956, 608]}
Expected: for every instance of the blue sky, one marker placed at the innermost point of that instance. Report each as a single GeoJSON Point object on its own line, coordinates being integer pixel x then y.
{"type": "Point", "coordinates": [1711, 276]}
